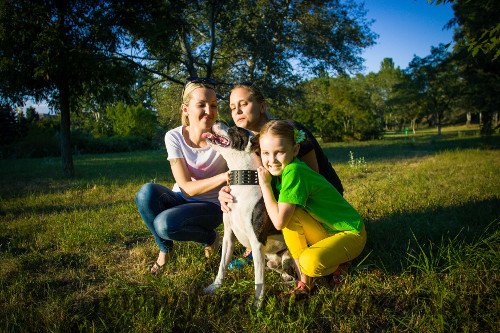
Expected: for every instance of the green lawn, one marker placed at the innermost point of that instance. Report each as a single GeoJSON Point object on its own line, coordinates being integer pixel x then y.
{"type": "Point", "coordinates": [74, 253]}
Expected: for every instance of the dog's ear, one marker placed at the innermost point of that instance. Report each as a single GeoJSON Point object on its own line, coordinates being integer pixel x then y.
{"type": "Point", "coordinates": [237, 141]}
{"type": "Point", "coordinates": [254, 145]}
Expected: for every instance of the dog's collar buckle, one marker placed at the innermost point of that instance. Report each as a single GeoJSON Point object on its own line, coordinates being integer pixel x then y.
{"type": "Point", "coordinates": [243, 177]}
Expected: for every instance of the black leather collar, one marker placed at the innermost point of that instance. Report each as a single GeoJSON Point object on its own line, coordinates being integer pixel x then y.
{"type": "Point", "coordinates": [243, 177]}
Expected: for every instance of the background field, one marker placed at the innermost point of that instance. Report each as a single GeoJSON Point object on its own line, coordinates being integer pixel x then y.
{"type": "Point", "coordinates": [74, 253]}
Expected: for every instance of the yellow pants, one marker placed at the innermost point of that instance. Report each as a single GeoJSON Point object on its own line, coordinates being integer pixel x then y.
{"type": "Point", "coordinates": [320, 253]}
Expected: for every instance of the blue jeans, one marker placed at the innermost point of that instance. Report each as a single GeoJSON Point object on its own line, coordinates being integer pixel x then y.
{"type": "Point", "coordinates": [170, 217]}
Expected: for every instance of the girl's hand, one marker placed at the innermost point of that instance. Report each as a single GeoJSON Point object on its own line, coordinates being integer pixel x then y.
{"type": "Point", "coordinates": [264, 176]}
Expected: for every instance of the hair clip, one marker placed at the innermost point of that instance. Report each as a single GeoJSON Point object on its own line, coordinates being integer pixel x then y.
{"type": "Point", "coordinates": [298, 135]}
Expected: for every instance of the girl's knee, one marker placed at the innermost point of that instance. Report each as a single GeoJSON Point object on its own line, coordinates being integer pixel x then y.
{"type": "Point", "coordinates": [311, 264]}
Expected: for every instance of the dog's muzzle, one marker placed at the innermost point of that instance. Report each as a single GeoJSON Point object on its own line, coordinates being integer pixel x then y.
{"type": "Point", "coordinates": [243, 177]}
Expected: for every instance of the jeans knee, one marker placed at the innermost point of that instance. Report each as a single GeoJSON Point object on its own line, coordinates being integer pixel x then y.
{"type": "Point", "coordinates": [166, 230]}
{"type": "Point", "coordinates": [144, 193]}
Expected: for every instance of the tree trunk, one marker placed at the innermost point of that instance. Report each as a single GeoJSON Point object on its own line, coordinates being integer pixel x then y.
{"type": "Point", "coordinates": [469, 118]}
{"type": "Point", "coordinates": [486, 123]}
{"type": "Point", "coordinates": [438, 121]}
{"type": "Point", "coordinates": [65, 137]}
{"type": "Point", "coordinates": [389, 123]}
{"type": "Point", "coordinates": [211, 21]}
{"type": "Point", "coordinates": [251, 69]}
{"type": "Point", "coordinates": [186, 49]}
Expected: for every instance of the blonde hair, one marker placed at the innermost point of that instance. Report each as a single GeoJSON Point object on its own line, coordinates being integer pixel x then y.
{"type": "Point", "coordinates": [186, 97]}
{"type": "Point", "coordinates": [280, 128]}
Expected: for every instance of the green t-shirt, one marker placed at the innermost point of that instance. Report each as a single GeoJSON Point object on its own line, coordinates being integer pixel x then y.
{"type": "Point", "coordinates": [302, 186]}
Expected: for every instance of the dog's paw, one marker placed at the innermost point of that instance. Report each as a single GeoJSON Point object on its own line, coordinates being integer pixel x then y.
{"type": "Point", "coordinates": [211, 288]}
{"type": "Point", "coordinates": [257, 303]}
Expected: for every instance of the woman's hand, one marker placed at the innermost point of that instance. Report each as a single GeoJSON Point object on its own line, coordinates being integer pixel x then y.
{"type": "Point", "coordinates": [225, 177]}
{"type": "Point", "coordinates": [225, 198]}
{"type": "Point", "coordinates": [264, 176]}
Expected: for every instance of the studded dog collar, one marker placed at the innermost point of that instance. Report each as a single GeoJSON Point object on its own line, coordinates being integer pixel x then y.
{"type": "Point", "coordinates": [243, 177]}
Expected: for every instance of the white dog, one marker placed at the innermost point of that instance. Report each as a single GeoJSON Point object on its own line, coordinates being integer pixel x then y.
{"type": "Point", "coordinates": [248, 219]}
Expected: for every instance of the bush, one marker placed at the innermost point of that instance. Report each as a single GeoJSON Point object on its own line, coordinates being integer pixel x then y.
{"type": "Point", "coordinates": [132, 120]}
{"type": "Point", "coordinates": [85, 143]}
{"type": "Point", "coordinates": [44, 142]}
{"type": "Point", "coordinates": [39, 142]}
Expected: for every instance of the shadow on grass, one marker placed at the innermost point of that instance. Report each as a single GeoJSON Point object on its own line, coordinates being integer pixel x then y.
{"type": "Point", "coordinates": [120, 168]}
{"type": "Point", "coordinates": [44, 174]}
{"type": "Point", "coordinates": [391, 239]}
{"type": "Point", "coordinates": [58, 209]}
{"type": "Point", "coordinates": [409, 147]}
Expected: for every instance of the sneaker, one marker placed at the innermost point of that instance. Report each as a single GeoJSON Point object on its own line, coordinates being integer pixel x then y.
{"type": "Point", "coordinates": [239, 263]}
{"type": "Point", "coordinates": [211, 249]}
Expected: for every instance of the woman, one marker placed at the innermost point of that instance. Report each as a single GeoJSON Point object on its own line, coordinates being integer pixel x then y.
{"type": "Point", "coordinates": [249, 110]}
{"type": "Point", "coordinates": [189, 211]}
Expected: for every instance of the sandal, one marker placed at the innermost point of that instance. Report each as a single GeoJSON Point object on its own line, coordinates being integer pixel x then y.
{"type": "Point", "coordinates": [156, 269]}
{"type": "Point", "coordinates": [338, 277]}
{"type": "Point", "coordinates": [301, 291]}
{"type": "Point", "coordinates": [210, 250]}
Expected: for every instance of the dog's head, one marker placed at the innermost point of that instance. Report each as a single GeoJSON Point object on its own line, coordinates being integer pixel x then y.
{"type": "Point", "coordinates": [225, 137]}
{"type": "Point", "coordinates": [235, 144]}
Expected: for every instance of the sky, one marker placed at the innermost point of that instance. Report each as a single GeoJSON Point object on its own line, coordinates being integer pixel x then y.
{"type": "Point", "coordinates": [405, 28]}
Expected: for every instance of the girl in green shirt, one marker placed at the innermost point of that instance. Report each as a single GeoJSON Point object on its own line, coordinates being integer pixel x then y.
{"type": "Point", "coordinates": [321, 229]}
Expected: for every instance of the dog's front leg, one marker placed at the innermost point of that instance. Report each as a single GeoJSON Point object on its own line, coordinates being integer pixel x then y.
{"type": "Point", "coordinates": [259, 263]}
{"type": "Point", "coordinates": [227, 252]}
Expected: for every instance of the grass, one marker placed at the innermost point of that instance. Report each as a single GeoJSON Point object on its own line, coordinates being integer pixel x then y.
{"type": "Point", "coordinates": [74, 253]}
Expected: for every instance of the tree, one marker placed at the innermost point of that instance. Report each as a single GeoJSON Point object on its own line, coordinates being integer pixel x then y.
{"type": "Point", "coordinates": [476, 51]}
{"type": "Point", "coordinates": [167, 106]}
{"type": "Point", "coordinates": [478, 25]}
{"type": "Point", "coordinates": [77, 52]}
{"type": "Point", "coordinates": [381, 86]}
{"type": "Point", "coordinates": [317, 109]}
{"type": "Point", "coordinates": [434, 83]}
{"type": "Point", "coordinates": [31, 115]}
{"type": "Point", "coordinates": [339, 107]}
{"type": "Point", "coordinates": [8, 125]}
{"type": "Point", "coordinates": [406, 102]}
{"type": "Point", "coordinates": [132, 120]}
{"type": "Point", "coordinates": [245, 40]}
{"type": "Point", "coordinates": [59, 51]}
